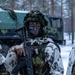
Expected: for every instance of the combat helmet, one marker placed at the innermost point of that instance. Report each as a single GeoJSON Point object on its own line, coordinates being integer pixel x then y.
{"type": "Point", "coordinates": [35, 16]}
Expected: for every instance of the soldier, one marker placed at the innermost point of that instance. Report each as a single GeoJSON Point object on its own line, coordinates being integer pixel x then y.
{"type": "Point", "coordinates": [46, 57]}
{"type": "Point", "coordinates": [71, 63]}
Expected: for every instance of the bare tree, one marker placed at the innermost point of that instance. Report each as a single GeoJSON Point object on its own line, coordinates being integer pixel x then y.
{"type": "Point", "coordinates": [12, 4]}
{"type": "Point", "coordinates": [61, 7]}
{"type": "Point", "coordinates": [30, 5]}
{"type": "Point", "coordinates": [72, 22]}
{"type": "Point", "coordinates": [43, 5]}
{"type": "Point", "coordinates": [23, 5]}
{"type": "Point", "coordinates": [52, 7]}
{"type": "Point", "coordinates": [69, 23]}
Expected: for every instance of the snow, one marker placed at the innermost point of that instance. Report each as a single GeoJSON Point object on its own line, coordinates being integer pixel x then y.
{"type": "Point", "coordinates": [20, 11]}
{"type": "Point", "coordinates": [65, 50]}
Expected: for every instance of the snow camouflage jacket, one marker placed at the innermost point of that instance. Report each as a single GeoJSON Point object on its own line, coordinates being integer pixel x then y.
{"type": "Point", "coordinates": [52, 56]}
{"type": "Point", "coordinates": [71, 63]}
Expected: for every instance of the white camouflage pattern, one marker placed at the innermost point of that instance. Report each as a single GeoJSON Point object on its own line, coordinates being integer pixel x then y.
{"type": "Point", "coordinates": [2, 59]}
{"type": "Point", "coordinates": [53, 57]}
{"type": "Point", "coordinates": [71, 61]}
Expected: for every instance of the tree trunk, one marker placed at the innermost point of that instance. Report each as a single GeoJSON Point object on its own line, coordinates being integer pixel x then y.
{"type": "Point", "coordinates": [52, 7]}
{"type": "Point", "coordinates": [23, 5]}
{"type": "Point", "coordinates": [69, 24]}
{"type": "Point", "coordinates": [30, 5]}
{"type": "Point", "coordinates": [61, 7]}
{"type": "Point", "coordinates": [12, 4]}
{"type": "Point", "coordinates": [72, 23]}
{"type": "Point", "coordinates": [43, 6]}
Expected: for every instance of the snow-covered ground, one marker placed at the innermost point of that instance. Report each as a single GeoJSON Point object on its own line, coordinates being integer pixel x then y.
{"type": "Point", "coordinates": [65, 50]}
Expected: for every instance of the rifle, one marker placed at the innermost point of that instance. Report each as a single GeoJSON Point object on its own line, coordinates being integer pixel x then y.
{"type": "Point", "coordinates": [25, 60]}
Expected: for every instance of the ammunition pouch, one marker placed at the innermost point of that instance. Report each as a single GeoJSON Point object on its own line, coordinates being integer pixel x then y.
{"type": "Point", "coordinates": [40, 68]}
{"type": "Point", "coordinates": [38, 64]}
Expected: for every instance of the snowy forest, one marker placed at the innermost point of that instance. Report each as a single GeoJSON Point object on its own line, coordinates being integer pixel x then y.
{"type": "Point", "coordinates": [59, 8]}
{"type": "Point", "coordinates": [63, 8]}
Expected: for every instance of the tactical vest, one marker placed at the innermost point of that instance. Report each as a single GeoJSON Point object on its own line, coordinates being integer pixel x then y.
{"type": "Point", "coordinates": [39, 65]}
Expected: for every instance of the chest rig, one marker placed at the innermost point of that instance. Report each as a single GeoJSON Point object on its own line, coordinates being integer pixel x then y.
{"type": "Point", "coordinates": [39, 45]}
